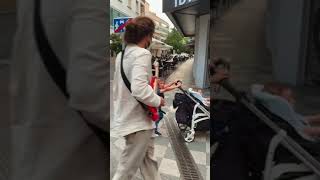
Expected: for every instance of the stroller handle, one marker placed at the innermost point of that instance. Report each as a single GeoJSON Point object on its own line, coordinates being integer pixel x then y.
{"type": "Point", "coordinates": [181, 89]}
{"type": "Point", "coordinates": [178, 82]}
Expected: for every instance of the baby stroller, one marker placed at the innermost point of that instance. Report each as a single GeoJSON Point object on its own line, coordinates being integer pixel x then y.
{"type": "Point", "coordinates": [300, 164]}
{"type": "Point", "coordinates": [191, 114]}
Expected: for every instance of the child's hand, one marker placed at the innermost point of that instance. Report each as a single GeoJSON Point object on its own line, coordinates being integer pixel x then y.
{"type": "Point", "coordinates": [313, 119]}
{"type": "Point", "coordinates": [313, 131]}
{"type": "Point", "coordinates": [317, 117]}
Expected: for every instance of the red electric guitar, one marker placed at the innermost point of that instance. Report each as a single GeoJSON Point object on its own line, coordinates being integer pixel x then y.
{"type": "Point", "coordinates": [154, 84]}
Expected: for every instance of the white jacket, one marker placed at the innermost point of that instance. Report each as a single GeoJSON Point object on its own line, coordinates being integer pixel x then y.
{"type": "Point", "coordinates": [129, 116]}
{"type": "Point", "coordinates": [49, 141]}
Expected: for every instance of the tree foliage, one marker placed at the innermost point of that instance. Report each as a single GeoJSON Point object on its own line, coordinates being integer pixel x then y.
{"type": "Point", "coordinates": [116, 43]}
{"type": "Point", "coordinates": [177, 41]}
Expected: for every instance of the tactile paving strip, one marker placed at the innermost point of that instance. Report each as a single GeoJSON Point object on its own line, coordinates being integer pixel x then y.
{"type": "Point", "coordinates": [186, 164]}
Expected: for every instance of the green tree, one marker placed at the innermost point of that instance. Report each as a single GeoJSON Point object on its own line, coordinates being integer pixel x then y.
{"type": "Point", "coordinates": [188, 48]}
{"type": "Point", "coordinates": [177, 41]}
{"type": "Point", "coordinates": [116, 43]}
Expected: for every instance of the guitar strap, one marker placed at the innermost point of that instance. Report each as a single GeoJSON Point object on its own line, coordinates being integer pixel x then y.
{"type": "Point", "coordinates": [127, 82]}
{"type": "Point", "coordinates": [55, 68]}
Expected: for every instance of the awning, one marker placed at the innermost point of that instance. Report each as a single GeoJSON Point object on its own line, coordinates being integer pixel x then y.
{"type": "Point", "coordinates": [156, 44]}
{"type": "Point", "coordinates": [183, 13]}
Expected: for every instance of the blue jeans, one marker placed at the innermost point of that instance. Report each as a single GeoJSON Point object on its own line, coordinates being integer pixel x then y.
{"type": "Point", "coordinates": [160, 118]}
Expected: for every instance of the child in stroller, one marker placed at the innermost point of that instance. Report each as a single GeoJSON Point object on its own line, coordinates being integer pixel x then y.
{"type": "Point", "coordinates": [192, 112]}
{"type": "Point", "coordinates": [244, 150]}
{"type": "Point", "coordinates": [197, 93]}
{"type": "Point", "coordinates": [279, 99]}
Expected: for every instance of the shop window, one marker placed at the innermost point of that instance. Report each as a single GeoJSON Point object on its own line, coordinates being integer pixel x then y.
{"type": "Point", "coordinates": [142, 9]}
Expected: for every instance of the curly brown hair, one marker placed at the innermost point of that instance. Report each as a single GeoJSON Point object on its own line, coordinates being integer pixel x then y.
{"type": "Point", "coordinates": [138, 28]}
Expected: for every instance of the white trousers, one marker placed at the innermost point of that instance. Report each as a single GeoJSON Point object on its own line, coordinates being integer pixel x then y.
{"type": "Point", "coordinates": [138, 153]}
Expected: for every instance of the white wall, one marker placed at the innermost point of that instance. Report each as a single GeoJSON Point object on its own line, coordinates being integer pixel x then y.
{"type": "Point", "coordinates": [284, 28]}
{"type": "Point", "coordinates": [201, 51]}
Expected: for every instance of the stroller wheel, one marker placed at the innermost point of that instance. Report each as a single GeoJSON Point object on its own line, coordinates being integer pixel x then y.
{"type": "Point", "coordinates": [182, 126]}
{"type": "Point", "coordinates": [189, 136]}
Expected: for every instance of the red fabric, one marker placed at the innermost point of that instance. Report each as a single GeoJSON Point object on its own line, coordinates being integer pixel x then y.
{"type": "Point", "coordinates": [153, 110]}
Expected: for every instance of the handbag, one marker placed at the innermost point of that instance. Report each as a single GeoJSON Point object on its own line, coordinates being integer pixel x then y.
{"type": "Point", "coordinates": [55, 68]}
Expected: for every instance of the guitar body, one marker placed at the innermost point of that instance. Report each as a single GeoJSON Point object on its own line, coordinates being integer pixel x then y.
{"type": "Point", "coordinates": [153, 110]}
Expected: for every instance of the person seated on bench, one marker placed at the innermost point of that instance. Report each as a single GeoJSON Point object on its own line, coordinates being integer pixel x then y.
{"type": "Point", "coordinates": [243, 150]}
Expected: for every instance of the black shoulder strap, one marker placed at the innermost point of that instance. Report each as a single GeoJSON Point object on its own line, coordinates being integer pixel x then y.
{"type": "Point", "coordinates": [127, 82]}
{"type": "Point", "coordinates": [54, 66]}
{"type": "Point", "coordinates": [50, 59]}
{"type": "Point", "coordinates": [124, 77]}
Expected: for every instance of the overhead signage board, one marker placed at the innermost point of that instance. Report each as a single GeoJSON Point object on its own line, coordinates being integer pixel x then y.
{"type": "Point", "coordinates": [170, 5]}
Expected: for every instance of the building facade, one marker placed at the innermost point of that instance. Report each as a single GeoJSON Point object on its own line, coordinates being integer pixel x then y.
{"type": "Point", "coordinates": [125, 8]}
{"type": "Point", "coordinates": [134, 8]}
{"type": "Point", "coordinates": [192, 19]}
{"type": "Point", "coordinates": [162, 27]}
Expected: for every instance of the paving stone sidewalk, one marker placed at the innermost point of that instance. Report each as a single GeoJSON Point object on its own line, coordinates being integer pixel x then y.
{"type": "Point", "coordinates": [200, 148]}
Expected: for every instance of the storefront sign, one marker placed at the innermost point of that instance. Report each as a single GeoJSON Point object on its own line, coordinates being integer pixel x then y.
{"type": "Point", "coordinates": [181, 2]}
{"type": "Point", "coordinates": [170, 5]}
